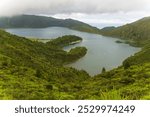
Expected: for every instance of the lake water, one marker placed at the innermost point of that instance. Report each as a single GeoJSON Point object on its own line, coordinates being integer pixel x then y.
{"type": "Point", "coordinates": [102, 51]}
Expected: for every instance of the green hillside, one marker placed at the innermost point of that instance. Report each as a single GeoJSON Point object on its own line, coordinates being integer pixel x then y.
{"type": "Point", "coordinates": [32, 21]}
{"type": "Point", "coordinates": [35, 70]}
{"type": "Point", "coordinates": [137, 33]}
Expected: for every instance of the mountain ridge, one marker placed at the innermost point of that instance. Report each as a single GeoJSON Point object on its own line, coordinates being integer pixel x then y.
{"type": "Point", "coordinates": [136, 32]}
{"type": "Point", "coordinates": [34, 21]}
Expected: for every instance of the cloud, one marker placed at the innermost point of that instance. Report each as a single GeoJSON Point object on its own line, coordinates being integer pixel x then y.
{"type": "Point", "coordinates": [103, 12]}
{"type": "Point", "coordinates": [52, 7]}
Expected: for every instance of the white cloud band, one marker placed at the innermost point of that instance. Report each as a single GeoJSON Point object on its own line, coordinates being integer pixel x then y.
{"type": "Point", "coordinates": [11, 7]}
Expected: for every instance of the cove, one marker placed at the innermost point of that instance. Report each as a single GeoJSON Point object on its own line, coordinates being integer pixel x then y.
{"type": "Point", "coordinates": [102, 51]}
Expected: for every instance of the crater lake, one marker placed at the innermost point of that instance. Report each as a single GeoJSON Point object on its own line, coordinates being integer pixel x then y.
{"type": "Point", "coordinates": [102, 51]}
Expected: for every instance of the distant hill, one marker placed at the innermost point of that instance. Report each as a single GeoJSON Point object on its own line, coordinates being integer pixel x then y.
{"type": "Point", "coordinates": [32, 21]}
{"type": "Point", "coordinates": [108, 28]}
{"type": "Point", "coordinates": [138, 31]}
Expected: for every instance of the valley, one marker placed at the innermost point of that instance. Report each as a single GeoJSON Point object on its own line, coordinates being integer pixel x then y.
{"type": "Point", "coordinates": [102, 51]}
{"type": "Point", "coordinates": [31, 69]}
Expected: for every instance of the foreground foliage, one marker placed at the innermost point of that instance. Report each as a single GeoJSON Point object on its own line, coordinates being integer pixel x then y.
{"type": "Point", "coordinates": [34, 70]}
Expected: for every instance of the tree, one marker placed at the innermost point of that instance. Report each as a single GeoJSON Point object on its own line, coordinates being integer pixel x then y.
{"type": "Point", "coordinates": [103, 70]}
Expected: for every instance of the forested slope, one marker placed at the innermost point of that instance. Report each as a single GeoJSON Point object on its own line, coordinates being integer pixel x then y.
{"type": "Point", "coordinates": [33, 21]}
{"type": "Point", "coordinates": [34, 70]}
{"type": "Point", "coordinates": [137, 33]}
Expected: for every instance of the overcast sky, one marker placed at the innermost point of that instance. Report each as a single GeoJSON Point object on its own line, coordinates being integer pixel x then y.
{"type": "Point", "coordinates": [96, 12]}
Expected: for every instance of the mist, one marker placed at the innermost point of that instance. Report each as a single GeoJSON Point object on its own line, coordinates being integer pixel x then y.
{"type": "Point", "coordinates": [51, 7]}
{"type": "Point", "coordinates": [115, 12]}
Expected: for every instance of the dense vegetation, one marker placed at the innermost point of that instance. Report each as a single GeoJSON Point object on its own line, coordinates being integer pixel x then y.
{"type": "Point", "coordinates": [65, 40]}
{"type": "Point", "coordinates": [137, 33]}
{"type": "Point", "coordinates": [34, 70]}
{"type": "Point", "coordinates": [121, 83]}
{"type": "Point", "coordinates": [32, 21]}
{"type": "Point", "coordinates": [76, 53]}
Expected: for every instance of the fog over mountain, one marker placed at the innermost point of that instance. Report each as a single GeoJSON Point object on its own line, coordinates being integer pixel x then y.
{"type": "Point", "coordinates": [94, 12]}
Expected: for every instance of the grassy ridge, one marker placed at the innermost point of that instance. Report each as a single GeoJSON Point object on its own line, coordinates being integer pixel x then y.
{"type": "Point", "coordinates": [137, 33]}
